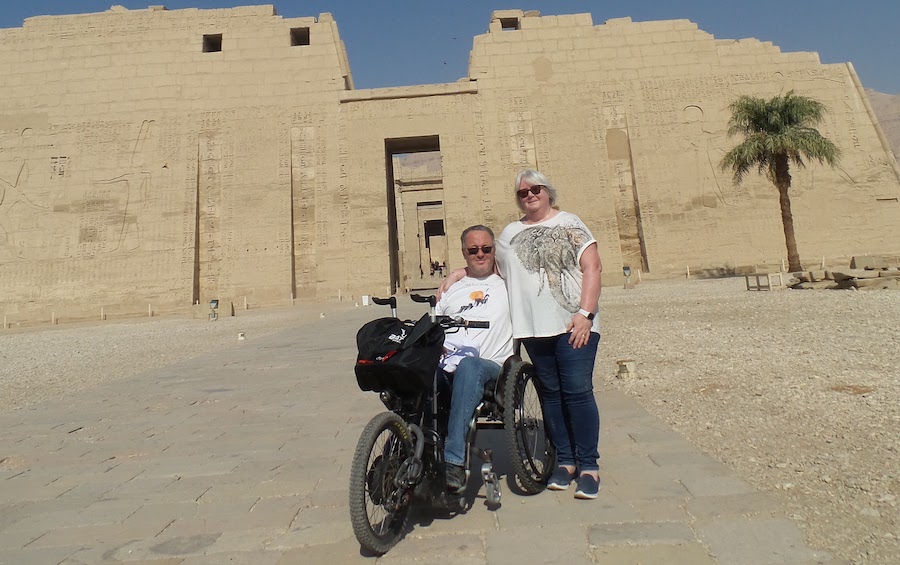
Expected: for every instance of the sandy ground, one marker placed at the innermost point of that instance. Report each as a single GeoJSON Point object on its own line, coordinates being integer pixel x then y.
{"type": "Point", "coordinates": [798, 391]}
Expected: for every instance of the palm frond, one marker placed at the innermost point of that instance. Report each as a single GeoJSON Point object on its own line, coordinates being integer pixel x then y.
{"type": "Point", "coordinates": [778, 132]}
{"type": "Point", "coordinates": [780, 125]}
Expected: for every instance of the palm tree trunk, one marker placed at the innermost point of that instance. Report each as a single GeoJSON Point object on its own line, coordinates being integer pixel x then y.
{"type": "Point", "coordinates": [783, 183]}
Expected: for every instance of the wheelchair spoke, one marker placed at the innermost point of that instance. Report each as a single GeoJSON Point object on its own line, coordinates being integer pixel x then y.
{"type": "Point", "coordinates": [384, 461]}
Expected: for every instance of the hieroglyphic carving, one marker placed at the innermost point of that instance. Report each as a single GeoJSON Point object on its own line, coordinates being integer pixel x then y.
{"type": "Point", "coordinates": [482, 162]}
{"type": "Point", "coordinates": [210, 195]}
{"type": "Point", "coordinates": [542, 150]}
{"type": "Point", "coordinates": [284, 231]}
{"type": "Point", "coordinates": [614, 117]}
{"type": "Point", "coordinates": [98, 205]}
{"type": "Point", "coordinates": [689, 88]}
{"type": "Point", "coordinates": [189, 217]}
{"type": "Point", "coordinates": [179, 153]}
{"type": "Point", "coordinates": [58, 167]}
{"type": "Point", "coordinates": [821, 73]}
{"type": "Point", "coordinates": [850, 108]}
{"type": "Point", "coordinates": [612, 96]}
{"type": "Point", "coordinates": [343, 184]}
{"type": "Point", "coordinates": [521, 140]}
{"type": "Point", "coordinates": [123, 200]}
{"type": "Point", "coordinates": [305, 154]}
{"type": "Point", "coordinates": [13, 178]}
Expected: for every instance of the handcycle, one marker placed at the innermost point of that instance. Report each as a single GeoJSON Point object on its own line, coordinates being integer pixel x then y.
{"type": "Point", "coordinates": [399, 459]}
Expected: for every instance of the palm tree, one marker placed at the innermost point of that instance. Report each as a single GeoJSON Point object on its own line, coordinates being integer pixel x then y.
{"type": "Point", "coordinates": [778, 132]}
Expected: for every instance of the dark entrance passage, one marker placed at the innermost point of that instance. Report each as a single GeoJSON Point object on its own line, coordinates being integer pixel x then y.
{"type": "Point", "coordinates": [415, 199]}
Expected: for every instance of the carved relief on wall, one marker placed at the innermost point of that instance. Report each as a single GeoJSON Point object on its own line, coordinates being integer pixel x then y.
{"type": "Point", "coordinates": [54, 203]}
{"type": "Point", "coordinates": [521, 140]}
{"type": "Point", "coordinates": [704, 143]}
{"type": "Point", "coordinates": [24, 200]}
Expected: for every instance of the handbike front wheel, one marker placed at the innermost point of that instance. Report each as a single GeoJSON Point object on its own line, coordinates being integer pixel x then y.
{"type": "Point", "coordinates": [379, 508]}
{"type": "Point", "coordinates": [531, 453]}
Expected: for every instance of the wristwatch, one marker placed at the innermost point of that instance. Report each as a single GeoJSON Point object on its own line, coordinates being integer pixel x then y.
{"type": "Point", "coordinates": [586, 314]}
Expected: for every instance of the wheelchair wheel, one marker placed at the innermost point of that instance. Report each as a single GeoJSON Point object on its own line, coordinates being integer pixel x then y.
{"type": "Point", "coordinates": [379, 508]}
{"type": "Point", "coordinates": [530, 451]}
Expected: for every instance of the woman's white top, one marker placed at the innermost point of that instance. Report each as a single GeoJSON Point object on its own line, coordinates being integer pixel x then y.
{"type": "Point", "coordinates": [540, 263]}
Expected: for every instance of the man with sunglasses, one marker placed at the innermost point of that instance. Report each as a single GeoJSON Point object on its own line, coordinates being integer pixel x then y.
{"type": "Point", "coordinates": [480, 295]}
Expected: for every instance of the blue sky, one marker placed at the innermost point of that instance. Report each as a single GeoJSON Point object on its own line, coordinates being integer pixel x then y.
{"type": "Point", "coordinates": [403, 42]}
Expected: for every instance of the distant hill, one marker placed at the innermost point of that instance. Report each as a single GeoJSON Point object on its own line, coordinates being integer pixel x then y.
{"type": "Point", "coordinates": [887, 109]}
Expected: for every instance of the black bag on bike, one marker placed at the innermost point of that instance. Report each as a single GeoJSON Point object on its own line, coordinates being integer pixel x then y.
{"type": "Point", "coordinates": [397, 356]}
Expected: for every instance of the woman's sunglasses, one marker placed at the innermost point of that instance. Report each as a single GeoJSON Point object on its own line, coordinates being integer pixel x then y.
{"type": "Point", "coordinates": [486, 249]}
{"type": "Point", "coordinates": [536, 189]}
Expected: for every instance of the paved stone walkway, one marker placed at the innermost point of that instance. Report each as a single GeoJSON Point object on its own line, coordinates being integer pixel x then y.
{"type": "Point", "coordinates": [243, 456]}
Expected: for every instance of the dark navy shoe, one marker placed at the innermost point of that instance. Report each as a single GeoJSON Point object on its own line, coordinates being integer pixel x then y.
{"type": "Point", "coordinates": [560, 479]}
{"type": "Point", "coordinates": [456, 478]}
{"type": "Point", "coordinates": [588, 487]}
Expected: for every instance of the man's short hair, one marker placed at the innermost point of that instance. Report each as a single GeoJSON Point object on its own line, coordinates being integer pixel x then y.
{"type": "Point", "coordinates": [479, 227]}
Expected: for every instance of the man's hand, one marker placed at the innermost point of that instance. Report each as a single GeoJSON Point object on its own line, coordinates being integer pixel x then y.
{"type": "Point", "coordinates": [452, 278]}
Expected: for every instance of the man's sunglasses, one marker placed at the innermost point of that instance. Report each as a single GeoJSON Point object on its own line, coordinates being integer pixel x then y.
{"type": "Point", "coordinates": [536, 189]}
{"type": "Point", "coordinates": [486, 249]}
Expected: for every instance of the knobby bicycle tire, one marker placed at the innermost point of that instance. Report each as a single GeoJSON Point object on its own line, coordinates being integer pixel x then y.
{"type": "Point", "coordinates": [530, 451]}
{"type": "Point", "coordinates": [372, 488]}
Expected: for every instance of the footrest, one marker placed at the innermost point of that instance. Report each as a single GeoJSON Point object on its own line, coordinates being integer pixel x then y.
{"type": "Point", "coordinates": [490, 425]}
{"type": "Point", "coordinates": [491, 484]}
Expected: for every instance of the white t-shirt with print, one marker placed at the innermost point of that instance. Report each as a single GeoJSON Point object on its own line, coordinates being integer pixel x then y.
{"type": "Point", "coordinates": [481, 300]}
{"type": "Point", "coordinates": [541, 265]}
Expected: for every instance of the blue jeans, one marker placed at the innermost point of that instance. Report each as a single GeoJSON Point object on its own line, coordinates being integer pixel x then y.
{"type": "Point", "coordinates": [471, 375]}
{"type": "Point", "coordinates": [566, 386]}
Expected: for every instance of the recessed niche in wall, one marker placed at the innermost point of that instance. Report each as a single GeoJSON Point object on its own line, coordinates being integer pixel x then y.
{"type": "Point", "coordinates": [299, 36]}
{"type": "Point", "coordinates": [212, 43]}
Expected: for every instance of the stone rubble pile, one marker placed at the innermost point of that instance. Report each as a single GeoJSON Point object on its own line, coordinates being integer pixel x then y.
{"type": "Point", "coordinates": [870, 272]}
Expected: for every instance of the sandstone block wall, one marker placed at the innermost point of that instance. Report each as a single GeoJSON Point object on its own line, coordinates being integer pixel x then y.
{"type": "Point", "coordinates": [171, 157]}
{"type": "Point", "coordinates": [632, 120]}
{"type": "Point", "coordinates": [142, 165]}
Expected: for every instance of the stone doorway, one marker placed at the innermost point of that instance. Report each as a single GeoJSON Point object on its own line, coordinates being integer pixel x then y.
{"type": "Point", "coordinates": [432, 248]}
{"type": "Point", "coordinates": [418, 240]}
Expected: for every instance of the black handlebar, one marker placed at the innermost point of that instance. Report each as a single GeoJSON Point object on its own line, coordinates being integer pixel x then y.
{"type": "Point", "coordinates": [450, 322]}
{"type": "Point", "coordinates": [431, 300]}
{"type": "Point", "coordinates": [446, 321]}
{"type": "Point", "coordinates": [385, 301]}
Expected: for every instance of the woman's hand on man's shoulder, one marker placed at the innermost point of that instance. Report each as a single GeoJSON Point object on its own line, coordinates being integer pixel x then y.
{"type": "Point", "coordinates": [451, 279]}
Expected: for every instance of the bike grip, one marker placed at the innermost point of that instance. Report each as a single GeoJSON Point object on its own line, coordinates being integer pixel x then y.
{"type": "Point", "coordinates": [419, 298]}
{"type": "Point", "coordinates": [385, 301]}
{"type": "Point", "coordinates": [475, 324]}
